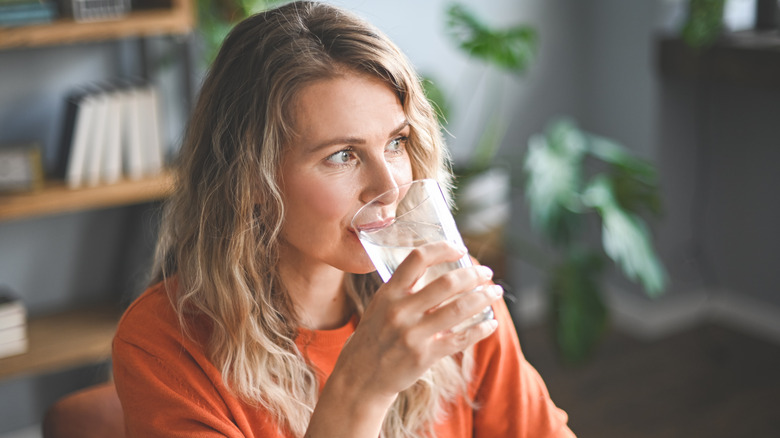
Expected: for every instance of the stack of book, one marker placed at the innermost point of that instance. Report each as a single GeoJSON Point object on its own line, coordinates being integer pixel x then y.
{"type": "Point", "coordinates": [24, 12]}
{"type": "Point", "coordinates": [110, 133]}
{"type": "Point", "coordinates": [13, 324]}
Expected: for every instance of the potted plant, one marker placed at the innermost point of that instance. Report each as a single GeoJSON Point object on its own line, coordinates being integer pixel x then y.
{"type": "Point", "coordinates": [571, 179]}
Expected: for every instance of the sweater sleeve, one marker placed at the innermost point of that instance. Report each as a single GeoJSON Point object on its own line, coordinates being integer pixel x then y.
{"type": "Point", "coordinates": [166, 388]}
{"type": "Point", "coordinates": [512, 399]}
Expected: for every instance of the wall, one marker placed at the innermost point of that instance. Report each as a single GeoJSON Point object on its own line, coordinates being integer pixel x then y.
{"type": "Point", "coordinates": [736, 151]}
{"type": "Point", "coordinates": [418, 28]}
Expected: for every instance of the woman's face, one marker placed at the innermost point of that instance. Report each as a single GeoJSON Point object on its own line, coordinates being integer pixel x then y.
{"type": "Point", "coordinates": [350, 147]}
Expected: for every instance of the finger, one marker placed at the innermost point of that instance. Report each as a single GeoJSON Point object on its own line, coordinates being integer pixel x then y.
{"type": "Point", "coordinates": [421, 258]}
{"type": "Point", "coordinates": [448, 343]}
{"type": "Point", "coordinates": [451, 284]}
{"type": "Point", "coordinates": [461, 308]}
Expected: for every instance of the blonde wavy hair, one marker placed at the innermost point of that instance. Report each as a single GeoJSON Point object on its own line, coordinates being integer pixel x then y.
{"type": "Point", "coordinates": [220, 233]}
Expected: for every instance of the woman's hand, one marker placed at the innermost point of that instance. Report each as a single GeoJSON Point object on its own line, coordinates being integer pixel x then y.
{"type": "Point", "coordinates": [403, 333]}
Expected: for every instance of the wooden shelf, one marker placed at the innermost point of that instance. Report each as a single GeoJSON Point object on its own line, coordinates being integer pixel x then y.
{"type": "Point", "coordinates": [179, 18]}
{"type": "Point", "coordinates": [63, 341]}
{"type": "Point", "coordinates": [56, 197]}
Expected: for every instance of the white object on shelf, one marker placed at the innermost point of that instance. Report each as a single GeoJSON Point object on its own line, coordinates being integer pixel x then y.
{"type": "Point", "coordinates": [13, 324]}
{"type": "Point", "coordinates": [111, 170]}
{"type": "Point", "coordinates": [117, 132]}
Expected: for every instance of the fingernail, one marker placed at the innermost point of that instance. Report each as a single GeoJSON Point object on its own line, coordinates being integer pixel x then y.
{"type": "Point", "coordinates": [496, 291]}
{"type": "Point", "coordinates": [485, 272]}
{"type": "Point", "coordinates": [462, 250]}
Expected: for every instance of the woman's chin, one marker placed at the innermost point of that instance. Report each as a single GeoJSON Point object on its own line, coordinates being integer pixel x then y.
{"type": "Point", "coordinates": [360, 265]}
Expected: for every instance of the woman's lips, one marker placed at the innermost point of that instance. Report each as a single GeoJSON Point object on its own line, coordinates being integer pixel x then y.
{"type": "Point", "coordinates": [374, 226]}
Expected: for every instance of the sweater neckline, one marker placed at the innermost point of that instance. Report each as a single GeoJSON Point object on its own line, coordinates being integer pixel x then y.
{"type": "Point", "coordinates": [327, 338]}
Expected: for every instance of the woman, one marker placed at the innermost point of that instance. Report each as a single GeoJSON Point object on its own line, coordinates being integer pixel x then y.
{"type": "Point", "coordinates": [265, 318]}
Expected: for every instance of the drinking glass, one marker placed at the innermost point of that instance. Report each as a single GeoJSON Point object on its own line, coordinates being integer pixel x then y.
{"type": "Point", "coordinates": [399, 220]}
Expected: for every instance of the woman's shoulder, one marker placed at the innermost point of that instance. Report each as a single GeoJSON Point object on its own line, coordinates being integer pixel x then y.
{"type": "Point", "coordinates": [152, 306]}
{"type": "Point", "coordinates": [151, 322]}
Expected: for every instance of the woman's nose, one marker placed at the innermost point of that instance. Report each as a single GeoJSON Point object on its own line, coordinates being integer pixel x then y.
{"type": "Point", "coordinates": [380, 180]}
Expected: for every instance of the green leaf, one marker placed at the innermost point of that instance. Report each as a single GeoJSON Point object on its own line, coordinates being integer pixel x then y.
{"type": "Point", "coordinates": [567, 139]}
{"type": "Point", "coordinates": [551, 187]}
{"type": "Point", "coordinates": [635, 194]}
{"type": "Point", "coordinates": [635, 181]}
{"type": "Point", "coordinates": [625, 238]}
{"type": "Point", "coordinates": [578, 312]}
{"type": "Point", "coordinates": [512, 48]}
{"type": "Point", "coordinates": [552, 168]}
{"type": "Point", "coordinates": [704, 24]}
{"type": "Point", "coordinates": [615, 154]}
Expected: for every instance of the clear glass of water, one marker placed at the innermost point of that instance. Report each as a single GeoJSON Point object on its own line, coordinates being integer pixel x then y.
{"type": "Point", "coordinates": [399, 220]}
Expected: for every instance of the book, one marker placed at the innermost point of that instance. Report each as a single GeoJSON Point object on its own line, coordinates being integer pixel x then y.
{"type": "Point", "coordinates": [13, 348]}
{"type": "Point", "coordinates": [13, 324]}
{"type": "Point", "coordinates": [150, 130]}
{"type": "Point", "coordinates": [13, 333]}
{"type": "Point", "coordinates": [19, 13]}
{"type": "Point", "coordinates": [97, 141]}
{"type": "Point", "coordinates": [7, 7]}
{"type": "Point", "coordinates": [109, 133]}
{"type": "Point", "coordinates": [13, 315]}
{"type": "Point", "coordinates": [111, 170]}
{"type": "Point", "coordinates": [12, 310]}
{"type": "Point", "coordinates": [80, 142]}
{"type": "Point", "coordinates": [70, 116]}
{"type": "Point", "coordinates": [131, 135]}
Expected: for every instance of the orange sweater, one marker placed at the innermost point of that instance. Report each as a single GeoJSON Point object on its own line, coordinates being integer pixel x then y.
{"type": "Point", "coordinates": [168, 387]}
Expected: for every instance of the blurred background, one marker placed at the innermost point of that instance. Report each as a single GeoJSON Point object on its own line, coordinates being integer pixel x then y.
{"type": "Point", "coordinates": [678, 330]}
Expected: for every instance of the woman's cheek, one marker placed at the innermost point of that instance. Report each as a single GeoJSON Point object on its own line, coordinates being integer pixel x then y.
{"type": "Point", "coordinates": [328, 203]}
{"type": "Point", "coordinates": [402, 170]}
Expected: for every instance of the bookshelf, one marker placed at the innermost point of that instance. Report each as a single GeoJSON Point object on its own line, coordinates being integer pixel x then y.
{"type": "Point", "coordinates": [82, 336]}
{"type": "Point", "coordinates": [175, 18]}
{"type": "Point", "coordinates": [56, 197]}
{"type": "Point", "coordinates": [64, 340]}
{"type": "Point", "coordinates": [76, 337]}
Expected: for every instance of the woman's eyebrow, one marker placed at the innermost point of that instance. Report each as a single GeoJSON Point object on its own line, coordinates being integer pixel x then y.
{"type": "Point", "coordinates": [354, 140]}
{"type": "Point", "coordinates": [400, 128]}
{"type": "Point", "coordinates": [336, 141]}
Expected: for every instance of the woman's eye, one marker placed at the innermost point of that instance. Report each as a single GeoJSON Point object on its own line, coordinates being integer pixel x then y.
{"type": "Point", "coordinates": [341, 157]}
{"type": "Point", "coordinates": [397, 144]}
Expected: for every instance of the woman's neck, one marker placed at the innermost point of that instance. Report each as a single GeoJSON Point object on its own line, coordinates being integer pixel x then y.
{"type": "Point", "coordinates": [318, 294]}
